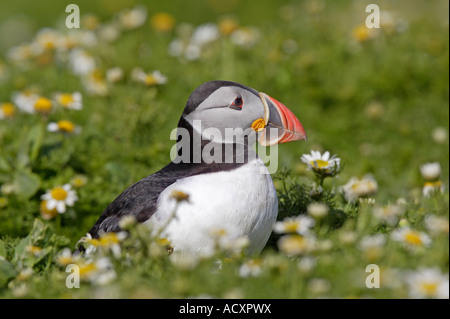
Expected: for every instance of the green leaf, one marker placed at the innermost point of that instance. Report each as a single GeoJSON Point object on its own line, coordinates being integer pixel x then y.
{"type": "Point", "coordinates": [4, 166]}
{"type": "Point", "coordinates": [3, 251]}
{"type": "Point", "coordinates": [26, 183]}
{"type": "Point", "coordinates": [31, 144]}
{"type": "Point", "coordinates": [36, 136]}
{"type": "Point", "coordinates": [7, 272]}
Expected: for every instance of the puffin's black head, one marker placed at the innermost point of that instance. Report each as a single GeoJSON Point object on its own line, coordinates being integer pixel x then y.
{"type": "Point", "coordinates": [229, 105]}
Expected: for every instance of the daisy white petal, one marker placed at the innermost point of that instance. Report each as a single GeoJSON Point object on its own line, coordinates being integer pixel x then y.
{"type": "Point", "coordinates": [52, 127]}
{"type": "Point", "coordinates": [61, 207]}
{"type": "Point", "coordinates": [59, 197]}
{"type": "Point", "coordinates": [51, 204]}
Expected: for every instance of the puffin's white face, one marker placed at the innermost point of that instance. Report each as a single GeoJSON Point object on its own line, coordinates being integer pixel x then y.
{"type": "Point", "coordinates": [229, 111]}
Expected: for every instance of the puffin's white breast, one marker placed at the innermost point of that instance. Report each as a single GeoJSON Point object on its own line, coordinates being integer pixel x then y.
{"type": "Point", "coordinates": [237, 203]}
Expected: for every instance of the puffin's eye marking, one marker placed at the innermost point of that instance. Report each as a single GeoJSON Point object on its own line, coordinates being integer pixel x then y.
{"type": "Point", "coordinates": [237, 103]}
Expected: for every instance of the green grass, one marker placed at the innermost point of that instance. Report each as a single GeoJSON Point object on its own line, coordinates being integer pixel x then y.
{"type": "Point", "coordinates": [374, 103]}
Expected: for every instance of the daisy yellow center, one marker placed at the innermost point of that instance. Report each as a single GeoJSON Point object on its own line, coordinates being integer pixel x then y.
{"type": "Point", "coordinates": [429, 288]}
{"type": "Point", "coordinates": [163, 241]}
{"type": "Point", "coordinates": [49, 43]}
{"type": "Point", "coordinates": [96, 77]}
{"type": "Point", "coordinates": [219, 232]}
{"type": "Point", "coordinates": [361, 33]}
{"type": "Point", "coordinates": [291, 226]}
{"type": "Point", "coordinates": [33, 249]}
{"type": "Point", "coordinates": [179, 195]}
{"type": "Point", "coordinates": [79, 181]}
{"type": "Point", "coordinates": [320, 163]}
{"type": "Point", "coordinates": [255, 263]}
{"type": "Point", "coordinates": [58, 193]}
{"type": "Point", "coordinates": [150, 80]}
{"type": "Point", "coordinates": [66, 99]}
{"type": "Point", "coordinates": [436, 184]}
{"type": "Point", "coordinates": [90, 22]}
{"type": "Point", "coordinates": [227, 26]}
{"type": "Point", "coordinates": [43, 105]}
{"type": "Point", "coordinates": [94, 242]}
{"type": "Point", "coordinates": [87, 269]}
{"type": "Point", "coordinates": [293, 244]}
{"type": "Point", "coordinates": [163, 22]}
{"type": "Point", "coordinates": [47, 213]}
{"type": "Point", "coordinates": [66, 126]}
{"type": "Point", "coordinates": [7, 109]}
{"type": "Point", "coordinates": [65, 260]}
{"type": "Point", "coordinates": [108, 239]}
{"type": "Point", "coordinates": [413, 238]}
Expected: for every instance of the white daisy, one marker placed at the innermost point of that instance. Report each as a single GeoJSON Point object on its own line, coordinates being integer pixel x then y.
{"type": "Point", "coordinates": [368, 242]}
{"type": "Point", "coordinates": [133, 18]}
{"type": "Point", "coordinates": [439, 134]}
{"type": "Point", "coordinates": [411, 238]}
{"type": "Point", "coordinates": [127, 222]}
{"type": "Point", "coordinates": [109, 241]}
{"type": "Point", "coordinates": [300, 224]}
{"type": "Point", "coordinates": [150, 78]}
{"type": "Point", "coordinates": [188, 50]}
{"type": "Point", "coordinates": [193, 52]}
{"type": "Point", "coordinates": [7, 110]}
{"type": "Point", "coordinates": [245, 37]}
{"type": "Point", "coordinates": [431, 188]}
{"type": "Point", "coordinates": [317, 210]}
{"type": "Point", "coordinates": [296, 244]}
{"type": "Point", "coordinates": [65, 257]}
{"type": "Point", "coordinates": [47, 39]}
{"type": "Point", "coordinates": [60, 197]}
{"type": "Point", "coordinates": [428, 283]}
{"type": "Point", "coordinates": [98, 272]}
{"type": "Point", "coordinates": [72, 101]}
{"type": "Point", "coordinates": [359, 188]}
{"type": "Point", "coordinates": [109, 32]}
{"type": "Point", "coordinates": [389, 214]}
{"type": "Point", "coordinates": [114, 75]}
{"type": "Point", "coordinates": [43, 105]}
{"type": "Point", "coordinates": [63, 126]}
{"type": "Point", "coordinates": [252, 268]}
{"type": "Point", "coordinates": [25, 100]}
{"type": "Point", "coordinates": [306, 264]}
{"type": "Point", "coordinates": [318, 285]}
{"type": "Point", "coordinates": [204, 34]}
{"type": "Point", "coordinates": [22, 52]}
{"type": "Point", "coordinates": [95, 83]}
{"type": "Point", "coordinates": [372, 246]}
{"type": "Point", "coordinates": [437, 224]}
{"type": "Point", "coordinates": [322, 163]}
{"type": "Point", "coordinates": [431, 171]}
{"type": "Point", "coordinates": [81, 62]}
{"type": "Point", "coordinates": [176, 47]}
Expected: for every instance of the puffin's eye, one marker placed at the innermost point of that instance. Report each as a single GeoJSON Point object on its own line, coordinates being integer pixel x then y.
{"type": "Point", "coordinates": [237, 103]}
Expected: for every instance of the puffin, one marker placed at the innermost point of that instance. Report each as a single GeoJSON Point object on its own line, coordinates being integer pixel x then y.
{"type": "Point", "coordinates": [215, 185]}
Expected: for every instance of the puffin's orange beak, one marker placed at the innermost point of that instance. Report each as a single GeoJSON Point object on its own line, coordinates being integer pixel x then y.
{"type": "Point", "coordinates": [281, 125]}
